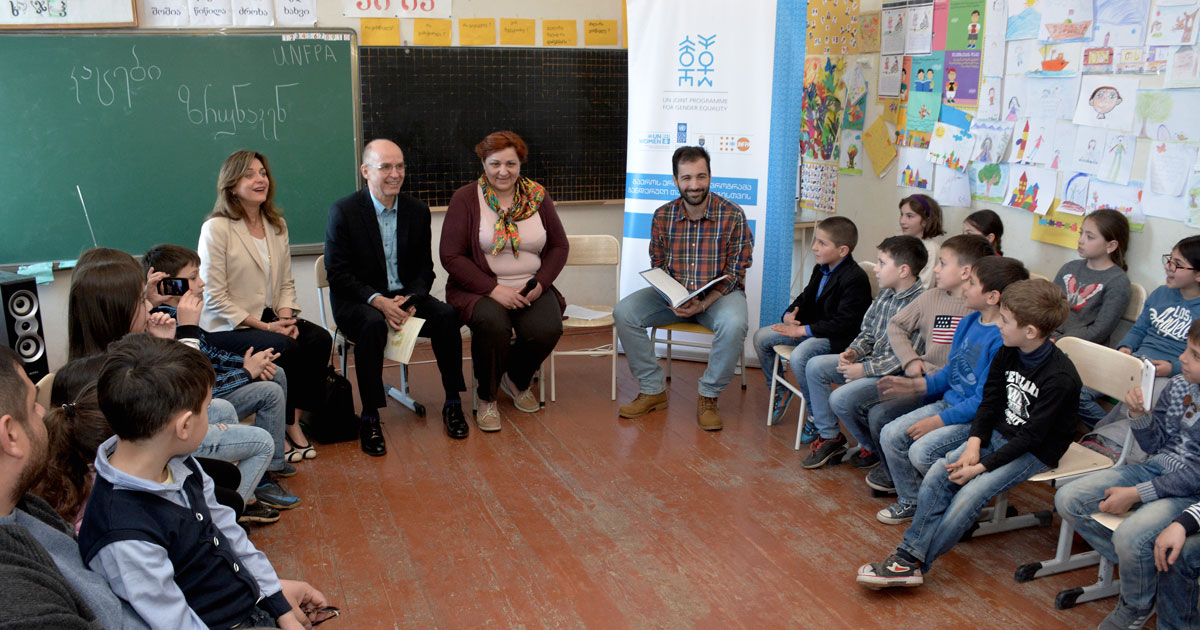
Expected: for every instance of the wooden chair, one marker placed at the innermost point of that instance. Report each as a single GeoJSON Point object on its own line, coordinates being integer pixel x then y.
{"type": "Point", "coordinates": [592, 250]}
{"type": "Point", "coordinates": [1137, 300]}
{"type": "Point", "coordinates": [782, 352]}
{"type": "Point", "coordinates": [869, 267]}
{"type": "Point", "coordinates": [691, 327]}
{"type": "Point", "coordinates": [44, 385]}
{"type": "Point", "coordinates": [343, 345]}
{"type": "Point", "coordinates": [1033, 275]}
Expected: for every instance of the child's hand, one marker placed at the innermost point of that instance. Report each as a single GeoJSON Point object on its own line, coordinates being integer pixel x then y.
{"type": "Point", "coordinates": [969, 457]}
{"type": "Point", "coordinates": [966, 473]}
{"type": "Point", "coordinates": [851, 371]}
{"type": "Point", "coordinates": [790, 316]}
{"type": "Point", "coordinates": [894, 386]}
{"type": "Point", "coordinates": [1118, 499]}
{"type": "Point", "coordinates": [848, 356]}
{"type": "Point", "coordinates": [1162, 369]}
{"type": "Point", "coordinates": [923, 426]}
{"type": "Point", "coordinates": [795, 331]}
{"type": "Point", "coordinates": [256, 362]}
{"type": "Point", "coordinates": [152, 279]}
{"type": "Point", "coordinates": [1136, 403]}
{"type": "Point", "coordinates": [915, 368]}
{"type": "Point", "coordinates": [1167, 546]}
{"type": "Point", "coordinates": [188, 311]}
{"type": "Point", "coordinates": [1125, 350]}
{"type": "Point", "coordinates": [161, 325]}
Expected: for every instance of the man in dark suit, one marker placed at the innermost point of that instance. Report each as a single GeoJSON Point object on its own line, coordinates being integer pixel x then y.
{"type": "Point", "coordinates": [372, 276]}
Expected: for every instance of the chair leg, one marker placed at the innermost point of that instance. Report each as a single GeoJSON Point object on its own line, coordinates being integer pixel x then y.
{"type": "Point", "coordinates": [553, 380]}
{"type": "Point", "coordinates": [668, 355]}
{"type": "Point", "coordinates": [344, 350]}
{"type": "Point", "coordinates": [800, 422]}
{"type": "Point", "coordinates": [614, 363]}
{"type": "Point", "coordinates": [774, 384]}
{"type": "Point", "coordinates": [742, 365]}
{"type": "Point", "coordinates": [402, 396]}
{"type": "Point", "coordinates": [1062, 561]}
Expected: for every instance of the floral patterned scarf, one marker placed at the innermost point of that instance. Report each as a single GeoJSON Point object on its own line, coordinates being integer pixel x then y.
{"type": "Point", "coordinates": [527, 198]}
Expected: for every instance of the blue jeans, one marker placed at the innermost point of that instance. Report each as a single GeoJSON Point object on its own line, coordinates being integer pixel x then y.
{"type": "Point", "coordinates": [909, 461]}
{"type": "Point", "coordinates": [1178, 590]}
{"type": "Point", "coordinates": [828, 405]}
{"type": "Point", "coordinates": [946, 510]}
{"type": "Point", "coordinates": [645, 308]}
{"type": "Point", "coordinates": [869, 420]}
{"type": "Point", "coordinates": [1132, 544]}
{"type": "Point", "coordinates": [249, 447]}
{"type": "Point", "coordinates": [267, 400]}
{"type": "Point", "coordinates": [1090, 411]}
{"type": "Point", "coordinates": [806, 348]}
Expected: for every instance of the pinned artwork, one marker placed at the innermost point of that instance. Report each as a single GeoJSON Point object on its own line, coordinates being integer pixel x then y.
{"type": "Point", "coordinates": [1116, 163]}
{"type": "Point", "coordinates": [991, 140]}
{"type": "Point", "coordinates": [1173, 25]}
{"type": "Point", "coordinates": [1030, 188]}
{"type": "Point", "coordinates": [1130, 61]}
{"type": "Point", "coordinates": [1051, 97]}
{"type": "Point", "coordinates": [1183, 67]}
{"type": "Point", "coordinates": [893, 27]}
{"type": "Point", "coordinates": [1057, 227]}
{"type": "Point", "coordinates": [1024, 19]}
{"type": "Point", "coordinates": [951, 187]}
{"type": "Point", "coordinates": [1098, 57]}
{"type": "Point", "coordinates": [1066, 21]}
{"type": "Point", "coordinates": [991, 97]}
{"type": "Point", "coordinates": [995, 14]}
{"type": "Point", "coordinates": [1089, 149]}
{"type": "Point", "coordinates": [1121, 23]}
{"type": "Point", "coordinates": [818, 187]}
{"type": "Point", "coordinates": [1016, 99]}
{"type": "Point", "coordinates": [892, 76]}
{"type": "Point", "coordinates": [1062, 145]}
{"type": "Point", "coordinates": [1075, 194]}
{"type": "Point", "coordinates": [951, 147]}
{"type": "Point", "coordinates": [919, 38]}
{"type": "Point", "coordinates": [878, 145]}
{"type": "Point", "coordinates": [988, 181]}
{"type": "Point", "coordinates": [1191, 194]}
{"type": "Point", "coordinates": [856, 100]}
{"type": "Point", "coordinates": [1124, 199]}
{"type": "Point", "coordinates": [868, 32]}
{"type": "Point", "coordinates": [1058, 60]}
{"type": "Point", "coordinates": [1166, 177]}
{"type": "Point", "coordinates": [914, 170]}
{"type": "Point", "coordinates": [1106, 101]}
{"type": "Point", "coordinates": [925, 96]}
{"type": "Point", "coordinates": [822, 106]}
{"type": "Point", "coordinates": [966, 25]}
{"type": "Point", "coordinates": [962, 78]}
{"type": "Point", "coordinates": [1165, 115]}
{"type": "Point", "coordinates": [1022, 57]}
{"type": "Point", "coordinates": [850, 162]}
{"type": "Point", "coordinates": [1031, 140]}
{"type": "Point", "coordinates": [831, 30]}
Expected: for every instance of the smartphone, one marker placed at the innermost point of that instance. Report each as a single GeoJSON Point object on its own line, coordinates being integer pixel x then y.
{"type": "Point", "coordinates": [409, 303]}
{"type": "Point", "coordinates": [325, 614]}
{"type": "Point", "coordinates": [529, 286]}
{"type": "Point", "coordinates": [173, 286]}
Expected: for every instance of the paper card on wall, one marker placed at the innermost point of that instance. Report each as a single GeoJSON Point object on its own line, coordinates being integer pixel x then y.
{"type": "Point", "coordinates": [1059, 60]}
{"type": "Point", "coordinates": [1098, 59]}
{"type": "Point", "coordinates": [891, 75]}
{"type": "Point", "coordinates": [991, 140]}
{"type": "Point", "coordinates": [924, 96]}
{"type": "Point", "coordinates": [941, 18]}
{"type": "Point", "coordinates": [1168, 168]}
{"type": "Point", "coordinates": [1051, 97]}
{"type": "Point", "coordinates": [823, 93]}
{"type": "Point", "coordinates": [476, 31]}
{"type": "Point", "coordinates": [914, 171]}
{"type": "Point", "coordinates": [1106, 101]}
{"type": "Point", "coordinates": [431, 32]}
{"type": "Point", "coordinates": [1120, 23]}
{"type": "Point", "coordinates": [1031, 141]}
{"type": "Point", "coordinates": [1088, 150]}
{"type": "Point", "coordinates": [1124, 199]}
{"type": "Point", "coordinates": [855, 113]}
{"type": "Point", "coordinates": [1066, 21]}
{"type": "Point", "coordinates": [1156, 59]}
{"type": "Point", "coordinates": [1057, 227]}
{"type": "Point", "coordinates": [253, 12]}
{"type": "Point", "coordinates": [868, 32]}
{"type": "Point", "coordinates": [891, 109]}
{"type": "Point", "coordinates": [1116, 163]}
{"type": "Point", "coordinates": [818, 187]}
{"type": "Point", "coordinates": [1030, 188]}
{"type": "Point", "coordinates": [1167, 115]}
{"type": "Point", "coordinates": [1062, 145]}
{"type": "Point", "coordinates": [1172, 25]}
{"type": "Point", "coordinates": [850, 162]}
{"type": "Point", "coordinates": [425, 9]}
{"type": "Point", "coordinates": [379, 31]}
{"type": "Point", "coordinates": [951, 187]}
{"type": "Point", "coordinates": [517, 32]}
{"type": "Point", "coordinates": [996, 14]}
{"type": "Point", "coordinates": [991, 96]}
{"type": "Point", "coordinates": [1016, 98]}
{"type": "Point", "coordinates": [1130, 61]}
{"type": "Point", "coordinates": [1075, 194]}
{"type": "Point", "coordinates": [210, 12]}
{"type": "Point", "coordinates": [894, 29]}
{"type": "Point", "coordinates": [856, 84]}
{"type": "Point", "coordinates": [961, 85]}
{"type": "Point", "coordinates": [1024, 19]}
{"type": "Point", "coordinates": [877, 142]}
{"type": "Point", "coordinates": [831, 27]}
{"type": "Point", "coordinates": [1183, 67]}
{"type": "Point", "coordinates": [1191, 196]}
{"type": "Point", "coordinates": [988, 181]}
{"type": "Point", "coordinates": [559, 33]}
{"type": "Point", "coordinates": [159, 13]}
{"type": "Point", "coordinates": [966, 25]}
{"type": "Point", "coordinates": [295, 12]}
{"type": "Point", "coordinates": [950, 147]}
{"type": "Point", "coordinates": [1022, 57]}
{"type": "Point", "coordinates": [955, 117]}
{"type": "Point", "coordinates": [599, 32]}
{"type": "Point", "coordinates": [919, 39]}
{"type": "Point", "coordinates": [360, 9]}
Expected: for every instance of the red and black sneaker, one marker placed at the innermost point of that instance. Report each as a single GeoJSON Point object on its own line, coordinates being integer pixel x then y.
{"type": "Point", "coordinates": [864, 458]}
{"type": "Point", "coordinates": [895, 571]}
{"type": "Point", "coordinates": [826, 451]}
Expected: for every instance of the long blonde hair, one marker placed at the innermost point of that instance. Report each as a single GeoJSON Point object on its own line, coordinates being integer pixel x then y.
{"type": "Point", "coordinates": [227, 204]}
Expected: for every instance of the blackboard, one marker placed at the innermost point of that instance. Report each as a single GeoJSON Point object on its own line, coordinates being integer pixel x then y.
{"type": "Point", "coordinates": [570, 105]}
{"type": "Point", "coordinates": [141, 123]}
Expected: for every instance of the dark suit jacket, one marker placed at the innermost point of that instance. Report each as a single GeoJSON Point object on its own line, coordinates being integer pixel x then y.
{"type": "Point", "coordinates": [354, 260]}
{"type": "Point", "coordinates": [837, 313]}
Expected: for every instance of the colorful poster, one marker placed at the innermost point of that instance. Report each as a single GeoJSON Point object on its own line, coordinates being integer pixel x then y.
{"type": "Point", "coordinates": [818, 187]}
{"type": "Point", "coordinates": [991, 96]}
{"type": "Point", "coordinates": [1066, 21]}
{"type": "Point", "coordinates": [1031, 141]}
{"type": "Point", "coordinates": [823, 89]}
{"type": "Point", "coordinates": [1167, 115]}
{"type": "Point", "coordinates": [1120, 23]}
{"type": "Point", "coordinates": [831, 26]}
{"type": "Point", "coordinates": [950, 147]}
{"type": "Point", "coordinates": [856, 100]}
{"type": "Point", "coordinates": [925, 97]}
{"type": "Point", "coordinates": [951, 187]}
{"type": "Point", "coordinates": [1106, 101]}
{"type": "Point", "coordinates": [1057, 227]}
{"type": "Point", "coordinates": [1172, 25]}
{"type": "Point", "coordinates": [966, 25]}
{"type": "Point", "coordinates": [1024, 19]}
{"type": "Point", "coordinates": [1116, 163]}
{"type": "Point", "coordinates": [1059, 60]}
{"type": "Point", "coordinates": [991, 140]}
{"type": "Point", "coordinates": [894, 28]}
{"type": "Point", "coordinates": [988, 181]}
{"type": "Point", "coordinates": [993, 38]}
{"type": "Point", "coordinates": [1124, 199]}
{"type": "Point", "coordinates": [1089, 149]}
{"type": "Point", "coordinates": [1075, 194]}
{"type": "Point", "coordinates": [891, 75]}
{"type": "Point", "coordinates": [914, 170]}
{"type": "Point", "coordinates": [878, 144]}
{"type": "Point", "coordinates": [1016, 98]}
{"type": "Point", "coordinates": [1183, 68]}
{"type": "Point", "coordinates": [919, 39]}
{"type": "Point", "coordinates": [868, 33]}
{"type": "Point", "coordinates": [1051, 97]}
{"type": "Point", "coordinates": [941, 16]}
{"type": "Point", "coordinates": [1192, 200]}
{"type": "Point", "coordinates": [850, 162]}
{"type": "Point", "coordinates": [1030, 188]}
{"type": "Point", "coordinates": [962, 78]}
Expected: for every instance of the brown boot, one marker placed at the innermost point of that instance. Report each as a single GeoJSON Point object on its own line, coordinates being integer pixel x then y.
{"type": "Point", "coordinates": [707, 414]}
{"type": "Point", "coordinates": [643, 404]}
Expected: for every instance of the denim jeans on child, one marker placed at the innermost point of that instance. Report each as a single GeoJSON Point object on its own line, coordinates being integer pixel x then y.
{"type": "Point", "coordinates": [908, 461]}
{"type": "Point", "coordinates": [1178, 590]}
{"type": "Point", "coordinates": [946, 510]}
{"type": "Point", "coordinates": [806, 348]}
{"type": "Point", "coordinates": [828, 406]}
{"type": "Point", "coordinates": [267, 400]}
{"type": "Point", "coordinates": [250, 447]}
{"type": "Point", "coordinates": [870, 420]}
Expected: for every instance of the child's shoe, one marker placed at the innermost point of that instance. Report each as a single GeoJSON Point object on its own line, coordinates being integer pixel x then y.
{"type": "Point", "coordinates": [896, 514]}
{"type": "Point", "coordinates": [809, 433]}
{"type": "Point", "coordinates": [894, 571]}
{"type": "Point", "coordinates": [864, 458]}
{"type": "Point", "coordinates": [826, 451]}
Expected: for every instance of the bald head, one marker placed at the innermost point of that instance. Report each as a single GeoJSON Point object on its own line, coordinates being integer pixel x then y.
{"type": "Point", "coordinates": [383, 168]}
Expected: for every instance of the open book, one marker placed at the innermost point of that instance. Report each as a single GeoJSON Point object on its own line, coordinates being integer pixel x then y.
{"type": "Point", "coordinates": [675, 294]}
{"type": "Point", "coordinates": [401, 342]}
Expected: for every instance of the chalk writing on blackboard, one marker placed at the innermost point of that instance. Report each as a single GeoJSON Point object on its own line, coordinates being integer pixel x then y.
{"type": "Point", "coordinates": [106, 92]}
{"type": "Point", "coordinates": [229, 117]}
{"type": "Point", "coordinates": [301, 54]}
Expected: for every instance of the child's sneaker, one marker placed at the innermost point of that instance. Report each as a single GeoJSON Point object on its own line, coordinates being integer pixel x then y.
{"type": "Point", "coordinates": [895, 571]}
{"type": "Point", "coordinates": [1125, 617]}
{"type": "Point", "coordinates": [864, 458]}
{"type": "Point", "coordinates": [826, 451]}
{"type": "Point", "coordinates": [783, 396]}
{"type": "Point", "coordinates": [809, 433]}
{"type": "Point", "coordinates": [895, 514]}
{"type": "Point", "coordinates": [880, 480]}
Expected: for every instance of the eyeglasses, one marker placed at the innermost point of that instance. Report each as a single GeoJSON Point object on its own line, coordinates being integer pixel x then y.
{"type": "Point", "coordinates": [1171, 265]}
{"type": "Point", "coordinates": [388, 168]}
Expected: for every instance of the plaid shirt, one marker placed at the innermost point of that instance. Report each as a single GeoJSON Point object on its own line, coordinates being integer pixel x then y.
{"type": "Point", "coordinates": [872, 345]}
{"type": "Point", "coordinates": [695, 252]}
{"type": "Point", "coordinates": [228, 366]}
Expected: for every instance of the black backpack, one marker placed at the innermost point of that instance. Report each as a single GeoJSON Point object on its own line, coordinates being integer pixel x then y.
{"type": "Point", "coordinates": [335, 421]}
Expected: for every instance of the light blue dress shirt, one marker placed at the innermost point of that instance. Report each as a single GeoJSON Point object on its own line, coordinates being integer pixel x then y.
{"type": "Point", "coordinates": [387, 218]}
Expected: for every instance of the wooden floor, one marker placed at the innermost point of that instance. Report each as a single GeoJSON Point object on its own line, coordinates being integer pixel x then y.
{"type": "Point", "coordinates": [574, 518]}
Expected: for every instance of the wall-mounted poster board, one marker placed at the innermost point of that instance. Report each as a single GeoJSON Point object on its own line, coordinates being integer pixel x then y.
{"type": "Point", "coordinates": [67, 14]}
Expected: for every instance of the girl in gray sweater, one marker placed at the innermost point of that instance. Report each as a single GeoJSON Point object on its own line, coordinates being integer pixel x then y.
{"type": "Point", "coordinates": [1096, 285]}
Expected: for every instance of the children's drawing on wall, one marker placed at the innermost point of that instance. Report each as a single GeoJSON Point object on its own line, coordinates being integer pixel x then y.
{"type": "Point", "coordinates": [1116, 163]}
{"type": "Point", "coordinates": [1062, 146]}
{"type": "Point", "coordinates": [823, 91]}
{"type": "Point", "coordinates": [1051, 97]}
{"type": "Point", "coordinates": [951, 146]}
{"type": "Point", "coordinates": [1022, 57]}
{"type": "Point", "coordinates": [951, 187]}
{"type": "Point", "coordinates": [1066, 21]}
{"type": "Point", "coordinates": [1124, 199]}
{"type": "Point", "coordinates": [850, 162]}
{"type": "Point", "coordinates": [995, 16]}
{"type": "Point", "coordinates": [1183, 68]}
{"type": "Point", "coordinates": [1089, 149]}
{"type": "Point", "coordinates": [1030, 141]}
{"type": "Point", "coordinates": [1015, 98]}
{"type": "Point", "coordinates": [1106, 101]}
{"type": "Point", "coordinates": [1024, 19]}
{"type": "Point", "coordinates": [1172, 25]}
{"type": "Point", "coordinates": [1031, 188]}
{"type": "Point", "coordinates": [991, 96]}
{"type": "Point", "coordinates": [1075, 192]}
{"type": "Point", "coordinates": [914, 170]}
{"type": "Point", "coordinates": [1058, 60]}
{"type": "Point", "coordinates": [991, 139]}
{"type": "Point", "coordinates": [1167, 115]}
{"type": "Point", "coordinates": [1121, 23]}
{"type": "Point", "coordinates": [1191, 193]}
{"type": "Point", "coordinates": [988, 181]}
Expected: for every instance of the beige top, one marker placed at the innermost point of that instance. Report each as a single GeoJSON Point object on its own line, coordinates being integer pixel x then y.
{"type": "Point", "coordinates": [512, 271]}
{"type": "Point", "coordinates": [235, 276]}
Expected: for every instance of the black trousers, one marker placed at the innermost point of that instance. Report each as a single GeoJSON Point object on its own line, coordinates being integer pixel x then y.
{"type": "Point", "coordinates": [303, 359]}
{"type": "Point", "coordinates": [366, 326]}
{"type": "Point", "coordinates": [226, 479]}
{"type": "Point", "coordinates": [496, 350]}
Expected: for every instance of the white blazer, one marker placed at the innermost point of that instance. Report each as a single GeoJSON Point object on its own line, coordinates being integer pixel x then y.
{"type": "Point", "coordinates": [235, 279]}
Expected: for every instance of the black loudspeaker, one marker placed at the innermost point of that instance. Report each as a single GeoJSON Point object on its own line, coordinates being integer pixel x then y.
{"type": "Point", "coordinates": [22, 329]}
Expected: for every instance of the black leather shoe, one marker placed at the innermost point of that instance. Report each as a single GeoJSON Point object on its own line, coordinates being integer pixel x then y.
{"type": "Point", "coordinates": [456, 423]}
{"type": "Point", "coordinates": [370, 436]}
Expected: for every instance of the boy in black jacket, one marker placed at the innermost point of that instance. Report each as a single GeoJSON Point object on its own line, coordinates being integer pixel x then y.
{"type": "Point", "coordinates": [1023, 426]}
{"type": "Point", "coordinates": [826, 316]}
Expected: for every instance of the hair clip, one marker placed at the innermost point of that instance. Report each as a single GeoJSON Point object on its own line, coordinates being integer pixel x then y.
{"type": "Point", "coordinates": [69, 409]}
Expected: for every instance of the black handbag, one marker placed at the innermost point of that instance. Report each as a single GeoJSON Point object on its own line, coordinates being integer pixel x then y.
{"type": "Point", "coordinates": [335, 421]}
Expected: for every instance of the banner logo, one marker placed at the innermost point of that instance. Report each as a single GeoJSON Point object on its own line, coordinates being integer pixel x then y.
{"type": "Point", "coordinates": [696, 61]}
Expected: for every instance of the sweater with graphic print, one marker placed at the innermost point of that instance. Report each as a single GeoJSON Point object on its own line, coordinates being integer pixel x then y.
{"type": "Point", "coordinates": [1160, 332]}
{"type": "Point", "coordinates": [961, 381]}
{"type": "Point", "coordinates": [1097, 299]}
{"type": "Point", "coordinates": [934, 315]}
{"type": "Point", "coordinates": [1170, 435]}
{"type": "Point", "coordinates": [1032, 404]}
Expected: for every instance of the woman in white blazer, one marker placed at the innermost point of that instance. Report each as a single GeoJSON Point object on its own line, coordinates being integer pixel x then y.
{"type": "Point", "coordinates": [249, 293]}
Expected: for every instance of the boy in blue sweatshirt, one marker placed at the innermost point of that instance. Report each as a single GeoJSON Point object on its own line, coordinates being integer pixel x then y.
{"type": "Point", "coordinates": [914, 441]}
{"type": "Point", "coordinates": [1164, 485]}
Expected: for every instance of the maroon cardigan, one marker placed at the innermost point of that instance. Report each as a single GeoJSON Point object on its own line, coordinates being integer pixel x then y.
{"type": "Point", "coordinates": [470, 276]}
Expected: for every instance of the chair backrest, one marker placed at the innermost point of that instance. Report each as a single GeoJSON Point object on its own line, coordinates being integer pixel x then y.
{"type": "Point", "coordinates": [869, 267]}
{"type": "Point", "coordinates": [593, 249]}
{"type": "Point", "coordinates": [1033, 275]}
{"type": "Point", "coordinates": [322, 284]}
{"type": "Point", "coordinates": [44, 385]}
{"type": "Point", "coordinates": [1101, 368]}
{"type": "Point", "coordinates": [1137, 300]}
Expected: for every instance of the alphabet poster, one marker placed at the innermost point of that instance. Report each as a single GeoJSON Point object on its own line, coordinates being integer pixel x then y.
{"type": "Point", "coordinates": [1106, 101]}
